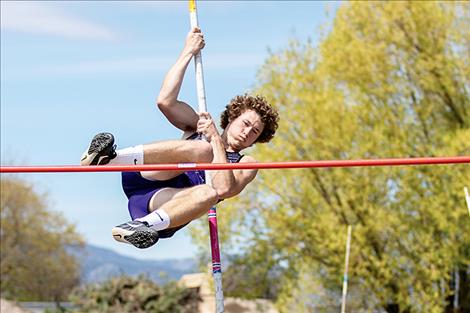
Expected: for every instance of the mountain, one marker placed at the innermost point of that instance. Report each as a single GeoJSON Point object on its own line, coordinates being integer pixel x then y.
{"type": "Point", "coordinates": [99, 264]}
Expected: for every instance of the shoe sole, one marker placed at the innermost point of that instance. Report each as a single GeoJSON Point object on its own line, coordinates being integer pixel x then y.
{"type": "Point", "coordinates": [140, 238]}
{"type": "Point", "coordinates": [101, 142]}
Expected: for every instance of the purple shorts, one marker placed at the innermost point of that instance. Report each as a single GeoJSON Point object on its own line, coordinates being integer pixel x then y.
{"type": "Point", "coordinates": [140, 190]}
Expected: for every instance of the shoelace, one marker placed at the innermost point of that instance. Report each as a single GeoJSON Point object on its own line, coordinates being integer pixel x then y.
{"type": "Point", "coordinates": [114, 154]}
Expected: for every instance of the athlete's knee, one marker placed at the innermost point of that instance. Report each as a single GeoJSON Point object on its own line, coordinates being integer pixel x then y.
{"type": "Point", "coordinates": [206, 194]}
{"type": "Point", "coordinates": [204, 151]}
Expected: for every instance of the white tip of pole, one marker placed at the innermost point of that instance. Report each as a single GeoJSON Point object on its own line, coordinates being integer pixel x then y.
{"type": "Point", "coordinates": [467, 199]}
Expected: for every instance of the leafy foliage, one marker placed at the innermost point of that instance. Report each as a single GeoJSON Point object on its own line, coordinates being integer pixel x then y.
{"type": "Point", "coordinates": [391, 79]}
{"type": "Point", "coordinates": [34, 241]}
{"type": "Point", "coordinates": [128, 294]}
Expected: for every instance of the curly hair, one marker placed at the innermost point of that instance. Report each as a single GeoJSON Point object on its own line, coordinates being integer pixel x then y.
{"type": "Point", "coordinates": [239, 104]}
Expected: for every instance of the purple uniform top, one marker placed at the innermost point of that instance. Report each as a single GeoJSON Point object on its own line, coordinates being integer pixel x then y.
{"type": "Point", "coordinates": [140, 190]}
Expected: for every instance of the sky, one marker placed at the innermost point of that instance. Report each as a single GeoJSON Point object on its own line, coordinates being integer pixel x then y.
{"type": "Point", "coordinates": [71, 69]}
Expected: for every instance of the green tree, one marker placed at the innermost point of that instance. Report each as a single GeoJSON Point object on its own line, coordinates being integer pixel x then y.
{"type": "Point", "coordinates": [134, 294]}
{"type": "Point", "coordinates": [262, 271]}
{"type": "Point", "coordinates": [34, 263]}
{"type": "Point", "coordinates": [391, 79]}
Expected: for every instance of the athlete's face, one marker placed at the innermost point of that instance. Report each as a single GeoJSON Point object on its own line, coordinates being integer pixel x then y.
{"type": "Point", "coordinates": [243, 131]}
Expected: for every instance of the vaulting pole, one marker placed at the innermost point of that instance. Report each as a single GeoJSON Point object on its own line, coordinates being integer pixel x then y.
{"type": "Point", "coordinates": [212, 215]}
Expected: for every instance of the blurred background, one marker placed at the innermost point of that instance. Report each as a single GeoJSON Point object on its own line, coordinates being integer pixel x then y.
{"type": "Point", "coordinates": [351, 80]}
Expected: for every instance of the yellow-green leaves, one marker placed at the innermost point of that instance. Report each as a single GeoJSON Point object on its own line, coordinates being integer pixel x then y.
{"type": "Point", "coordinates": [34, 262]}
{"type": "Point", "coordinates": [391, 79]}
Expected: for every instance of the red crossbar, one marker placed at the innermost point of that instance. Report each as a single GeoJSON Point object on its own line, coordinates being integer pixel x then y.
{"type": "Point", "coordinates": [233, 166]}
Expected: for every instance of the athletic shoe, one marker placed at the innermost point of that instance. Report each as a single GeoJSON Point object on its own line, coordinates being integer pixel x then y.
{"type": "Point", "coordinates": [100, 151]}
{"type": "Point", "coordinates": [136, 233]}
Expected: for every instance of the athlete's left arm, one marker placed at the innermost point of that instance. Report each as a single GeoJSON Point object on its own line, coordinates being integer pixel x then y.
{"type": "Point", "coordinates": [241, 179]}
{"type": "Point", "coordinates": [227, 183]}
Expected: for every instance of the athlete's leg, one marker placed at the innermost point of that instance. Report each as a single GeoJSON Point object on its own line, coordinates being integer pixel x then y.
{"type": "Point", "coordinates": [170, 208]}
{"type": "Point", "coordinates": [175, 151]}
{"type": "Point", "coordinates": [184, 205]}
{"type": "Point", "coordinates": [101, 151]}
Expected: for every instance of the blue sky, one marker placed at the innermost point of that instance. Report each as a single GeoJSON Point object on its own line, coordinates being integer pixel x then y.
{"type": "Point", "coordinates": [70, 69]}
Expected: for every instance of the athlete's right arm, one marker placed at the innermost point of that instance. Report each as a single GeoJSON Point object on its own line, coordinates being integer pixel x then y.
{"type": "Point", "coordinates": [179, 113]}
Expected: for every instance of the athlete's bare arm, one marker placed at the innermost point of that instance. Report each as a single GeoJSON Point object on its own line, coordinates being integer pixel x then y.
{"type": "Point", "coordinates": [179, 113]}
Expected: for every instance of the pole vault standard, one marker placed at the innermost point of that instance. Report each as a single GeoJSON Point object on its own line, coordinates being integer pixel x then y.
{"type": "Point", "coordinates": [467, 199]}
{"type": "Point", "coordinates": [239, 166]}
{"type": "Point", "coordinates": [212, 214]}
{"type": "Point", "coordinates": [345, 277]}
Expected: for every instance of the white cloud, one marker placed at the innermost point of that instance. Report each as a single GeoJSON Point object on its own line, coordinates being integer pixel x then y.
{"type": "Point", "coordinates": [35, 17]}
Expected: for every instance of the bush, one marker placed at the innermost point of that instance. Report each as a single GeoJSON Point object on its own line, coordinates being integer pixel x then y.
{"type": "Point", "coordinates": [134, 294]}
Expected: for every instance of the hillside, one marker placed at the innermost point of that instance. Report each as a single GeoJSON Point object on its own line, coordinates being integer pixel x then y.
{"type": "Point", "coordinates": [99, 264]}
